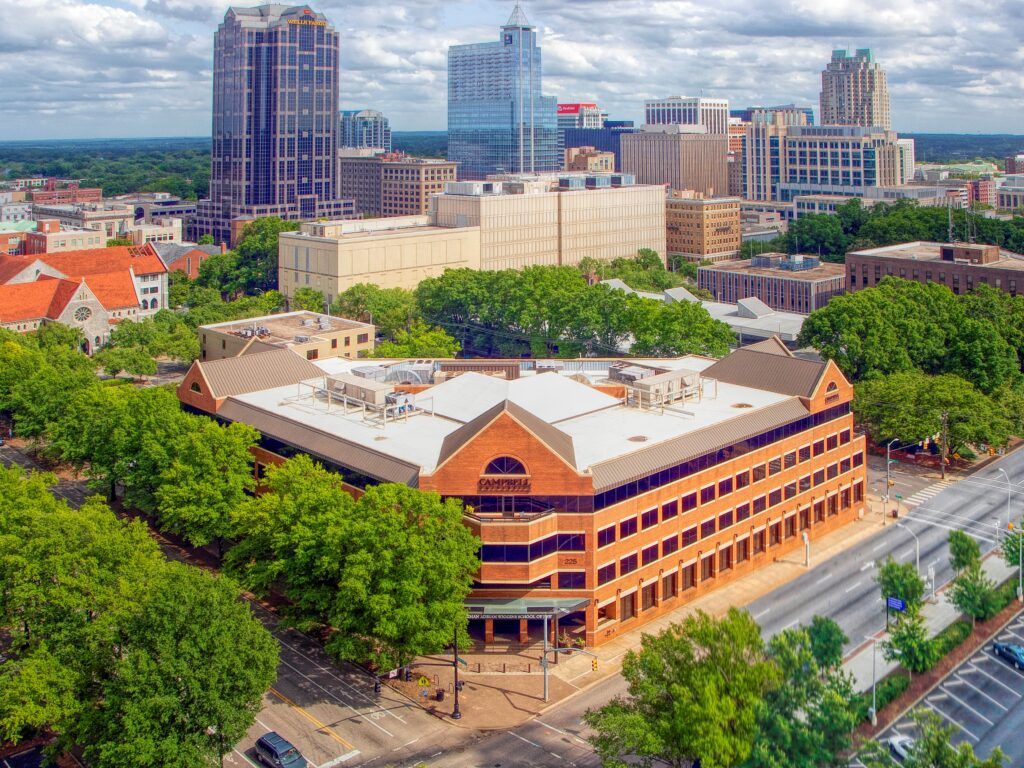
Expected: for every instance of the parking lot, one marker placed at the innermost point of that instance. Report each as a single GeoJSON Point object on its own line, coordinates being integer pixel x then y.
{"type": "Point", "coordinates": [983, 699]}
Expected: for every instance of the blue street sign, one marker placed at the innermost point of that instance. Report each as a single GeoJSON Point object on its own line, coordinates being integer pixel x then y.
{"type": "Point", "coordinates": [895, 604]}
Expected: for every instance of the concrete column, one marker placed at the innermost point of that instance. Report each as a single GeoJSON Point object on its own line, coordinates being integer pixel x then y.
{"type": "Point", "coordinates": [524, 632]}
{"type": "Point", "coordinates": [488, 630]}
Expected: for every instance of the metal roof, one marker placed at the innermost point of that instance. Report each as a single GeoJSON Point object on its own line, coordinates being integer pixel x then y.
{"type": "Point", "coordinates": [749, 367]}
{"type": "Point", "coordinates": [633, 466]}
{"type": "Point", "coordinates": [325, 445]}
{"type": "Point", "coordinates": [255, 372]}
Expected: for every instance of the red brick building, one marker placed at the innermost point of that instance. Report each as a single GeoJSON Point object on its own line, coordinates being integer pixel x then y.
{"type": "Point", "coordinates": [604, 491]}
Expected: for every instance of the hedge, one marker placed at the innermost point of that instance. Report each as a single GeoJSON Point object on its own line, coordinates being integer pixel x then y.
{"type": "Point", "coordinates": [887, 690]}
{"type": "Point", "coordinates": [951, 637]}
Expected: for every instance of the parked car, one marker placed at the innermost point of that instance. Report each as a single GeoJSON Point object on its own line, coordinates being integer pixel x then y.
{"type": "Point", "coordinates": [1011, 653]}
{"type": "Point", "coordinates": [275, 751]}
{"type": "Point", "coordinates": [901, 746]}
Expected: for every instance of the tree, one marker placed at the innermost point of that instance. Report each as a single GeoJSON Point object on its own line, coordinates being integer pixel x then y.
{"type": "Point", "coordinates": [934, 748]}
{"type": "Point", "coordinates": [390, 309]}
{"type": "Point", "coordinates": [909, 642]}
{"type": "Point", "coordinates": [308, 299]}
{"type": "Point", "coordinates": [133, 360]}
{"type": "Point", "coordinates": [114, 241]}
{"type": "Point", "coordinates": [827, 640]}
{"type": "Point", "coordinates": [900, 580]}
{"type": "Point", "coordinates": [51, 336]}
{"type": "Point", "coordinates": [419, 341]}
{"type": "Point", "coordinates": [208, 480]}
{"type": "Point", "coordinates": [818, 234]}
{"type": "Point", "coordinates": [186, 681]}
{"type": "Point", "coordinates": [806, 720]}
{"type": "Point", "coordinates": [1012, 544]}
{"type": "Point", "coordinates": [206, 240]}
{"type": "Point", "coordinates": [694, 693]}
{"type": "Point", "coordinates": [963, 551]}
{"type": "Point", "coordinates": [974, 594]}
{"type": "Point", "coordinates": [257, 252]}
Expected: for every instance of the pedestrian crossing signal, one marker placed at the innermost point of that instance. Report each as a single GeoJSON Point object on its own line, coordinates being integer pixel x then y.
{"type": "Point", "coordinates": [593, 665]}
{"type": "Point", "coordinates": [892, 483]}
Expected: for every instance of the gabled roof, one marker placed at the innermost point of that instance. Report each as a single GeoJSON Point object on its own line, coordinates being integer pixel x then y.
{"type": "Point", "coordinates": [143, 260]}
{"type": "Point", "coordinates": [114, 290]}
{"type": "Point", "coordinates": [252, 373]}
{"type": "Point", "coordinates": [10, 266]}
{"type": "Point", "coordinates": [47, 297]}
{"type": "Point", "coordinates": [750, 367]}
{"type": "Point", "coordinates": [171, 252]}
{"type": "Point", "coordinates": [773, 346]}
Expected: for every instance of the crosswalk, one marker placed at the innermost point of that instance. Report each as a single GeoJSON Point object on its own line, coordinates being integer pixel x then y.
{"type": "Point", "coordinates": [925, 494]}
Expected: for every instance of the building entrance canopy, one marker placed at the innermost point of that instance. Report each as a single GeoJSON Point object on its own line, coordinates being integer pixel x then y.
{"type": "Point", "coordinates": [524, 608]}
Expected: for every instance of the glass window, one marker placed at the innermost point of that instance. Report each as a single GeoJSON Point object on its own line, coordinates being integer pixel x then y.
{"type": "Point", "coordinates": [789, 459]}
{"type": "Point", "coordinates": [669, 510]}
{"type": "Point", "coordinates": [689, 576]}
{"type": "Point", "coordinates": [833, 471]}
{"type": "Point", "coordinates": [759, 542]}
{"type": "Point", "coordinates": [707, 528]}
{"type": "Point", "coordinates": [627, 564]}
{"type": "Point", "coordinates": [725, 559]}
{"type": "Point", "coordinates": [805, 483]}
{"type": "Point", "coordinates": [668, 586]}
{"type": "Point", "coordinates": [689, 502]}
{"type": "Point", "coordinates": [572, 580]}
{"type": "Point", "coordinates": [819, 447]}
{"type": "Point", "coordinates": [774, 534]}
{"type": "Point", "coordinates": [669, 545]}
{"type": "Point", "coordinates": [742, 512]}
{"type": "Point", "coordinates": [759, 472]}
{"type": "Point", "coordinates": [743, 479]}
{"type": "Point", "coordinates": [690, 536]}
{"type": "Point", "coordinates": [707, 568]}
{"type": "Point", "coordinates": [724, 486]}
{"type": "Point", "coordinates": [760, 504]}
{"type": "Point", "coordinates": [627, 528]}
{"type": "Point", "coordinates": [605, 536]}
{"type": "Point", "coordinates": [627, 607]}
{"type": "Point", "coordinates": [707, 494]}
{"type": "Point", "coordinates": [606, 574]}
{"type": "Point", "coordinates": [819, 477]}
{"type": "Point", "coordinates": [649, 554]}
{"type": "Point", "coordinates": [790, 490]}
{"type": "Point", "coordinates": [774, 466]}
{"type": "Point", "coordinates": [819, 511]}
{"type": "Point", "coordinates": [805, 453]}
{"type": "Point", "coordinates": [742, 550]}
{"type": "Point", "coordinates": [833, 442]}
{"type": "Point", "coordinates": [844, 437]}
{"type": "Point", "coordinates": [775, 497]}
{"type": "Point", "coordinates": [649, 518]}
{"type": "Point", "coordinates": [858, 459]}
{"type": "Point", "coordinates": [724, 520]}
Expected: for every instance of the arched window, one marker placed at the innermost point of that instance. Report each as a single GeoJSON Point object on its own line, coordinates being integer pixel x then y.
{"type": "Point", "coordinates": [153, 303]}
{"type": "Point", "coordinates": [195, 387]}
{"type": "Point", "coordinates": [145, 303]}
{"type": "Point", "coordinates": [505, 465]}
{"type": "Point", "coordinates": [832, 387]}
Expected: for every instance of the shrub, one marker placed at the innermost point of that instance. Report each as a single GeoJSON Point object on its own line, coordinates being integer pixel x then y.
{"type": "Point", "coordinates": [952, 636]}
{"type": "Point", "coordinates": [887, 691]}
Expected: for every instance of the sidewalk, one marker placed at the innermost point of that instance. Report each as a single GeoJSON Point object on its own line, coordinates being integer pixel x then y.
{"type": "Point", "coordinates": [937, 616]}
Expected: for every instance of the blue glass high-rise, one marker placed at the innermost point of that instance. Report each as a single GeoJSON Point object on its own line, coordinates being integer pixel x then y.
{"type": "Point", "coordinates": [499, 121]}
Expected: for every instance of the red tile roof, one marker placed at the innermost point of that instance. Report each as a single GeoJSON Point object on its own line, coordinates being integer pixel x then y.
{"type": "Point", "coordinates": [142, 259]}
{"type": "Point", "coordinates": [115, 290]}
{"type": "Point", "coordinates": [12, 265]}
{"type": "Point", "coordinates": [47, 297]}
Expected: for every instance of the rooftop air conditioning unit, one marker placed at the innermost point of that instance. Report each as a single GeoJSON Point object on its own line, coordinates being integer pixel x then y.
{"type": "Point", "coordinates": [302, 339]}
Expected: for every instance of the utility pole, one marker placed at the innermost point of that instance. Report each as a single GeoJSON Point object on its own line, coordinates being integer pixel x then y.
{"type": "Point", "coordinates": [456, 714]}
{"type": "Point", "coordinates": [1009, 494]}
{"type": "Point", "coordinates": [945, 441]}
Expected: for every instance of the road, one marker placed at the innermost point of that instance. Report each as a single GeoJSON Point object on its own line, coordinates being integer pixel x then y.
{"type": "Point", "coordinates": [983, 698]}
{"type": "Point", "coordinates": [843, 588]}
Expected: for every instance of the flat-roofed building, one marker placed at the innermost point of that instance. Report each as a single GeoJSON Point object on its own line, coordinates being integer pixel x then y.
{"type": "Point", "coordinates": [50, 236]}
{"type": "Point", "coordinates": [699, 229]}
{"type": "Point", "coordinates": [1010, 194]}
{"type": "Point", "coordinates": [164, 230]}
{"type": "Point", "coordinates": [711, 114]}
{"type": "Point", "coordinates": [793, 283]}
{"type": "Point", "coordinates": [593, 496]}
{"type": "Point", "coordinates": [961, 267]}
{"type": "Point", "coordinates": [113, 219]}
{"type": "Point", "coordinates": [678, 156]}
{"type": "Point", "coordinates": [392, 184]}
{"type": "Point", "coordinates": [589, 159]}
{"type": "Point", "coordinates": [399, 252]}
{"type": "Point", "coordinates": [312, 335]}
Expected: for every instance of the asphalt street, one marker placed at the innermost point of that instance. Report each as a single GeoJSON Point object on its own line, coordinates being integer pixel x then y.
{"type": "Point", "coordinates": [843, 587]}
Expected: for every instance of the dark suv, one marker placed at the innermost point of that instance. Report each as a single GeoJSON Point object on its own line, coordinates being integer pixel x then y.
{"type": "Point", "coordinates": [277, 752]}
{"type": "Point", "coordinates": [1012, 653]}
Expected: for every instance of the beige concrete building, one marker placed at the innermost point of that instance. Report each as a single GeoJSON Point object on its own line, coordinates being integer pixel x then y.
{"type": "Point", "coordinates": [589, 159]}
{"type": "Point", "coordinates": [163, 230]}
{"type": "Point", "coordinates": [51, 237]}
{"type": "Point", "coordinates": [678, 156]}
{"type": "Point", "coordinates": [112, 219]}
{"type": "Point", "coordinates": [332, 256]}
{"type": "Point", "coordinates": [556, 219]}
{"type": "Point", "coordinates": [703, 229]}
{"type": "Point", "coordinates": [313, 335]}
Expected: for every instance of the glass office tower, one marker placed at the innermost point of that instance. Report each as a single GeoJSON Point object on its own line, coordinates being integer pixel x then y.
{"type": "Point", "coordinates": [499, 121]}
{"type": "Point", "coordinates": [275, 120]}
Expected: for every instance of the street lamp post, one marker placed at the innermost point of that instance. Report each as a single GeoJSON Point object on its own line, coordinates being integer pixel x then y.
{"type": "Point", "coordinates": [1009, 494]}
{"type": "Point", "coordinates": [874, 678]}
{"type": "Point", "coordinates": [456, 714]}
{"type": "Point", "coordinates": [917, 545]}
{"type": "Point", "coordinates": [888, 463]}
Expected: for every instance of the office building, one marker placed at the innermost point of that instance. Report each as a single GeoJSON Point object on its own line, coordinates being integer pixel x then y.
{"type": "Point", "coordinates": [678, 156]}
{"type": "Point", "coordinates": [737, 144]}
{"type": "Point", "coordinates": [512, 223]}
{"type": "Point", "coordinates": [702, 229]}
{"type": "Point", "coordinates": [57, 191]}
{"type": "Point", "coordinates": [1010, 194]}
{"type": "Point", "coordinates": [162, 230]}
{"type": "Point", "coordinates": [275, 119]}
{"type": "Point", "coordinates": [358, 128]}
{"type": "Point", "coordinates": [710, 114]}
{"type": "Point", "coordinates": [793, 283]}
{"type": "Point", "coordinates": [50, 236]}
{"type": "Point", "coordinates": [112, 219]}
{"type": "Point", "coordinates": [312, 335]}
{"type": "Point", "coordinates": [1014, 164]}
{"type": "Point", "coordinates": [392, 184]}
{"type": "Point", "coordinates": [15, 211]}
{"type": "Point", "coordinates": [606, 139]}
{"type": "Point", "coordinates": [589, 159]}
{"type": "Point", "coordinates": [593, 499]}
{"type": "Point", "coordinates": [92, 289]}
{"type": "Point", "coordinates": [499, 120]}
{"type": "Point", "coordinates": [746, 114]}
{"type": "Point", "coordinates": [556, 219]}
{"type": "Point", "coordinates": [854, 91]}
{"type": "Point", "coordinates": [961, 267]}
{"type": "Point", "coordinates": [763, 156]}
{"type": "Point", "coordinates": [577, 115]}
{"type": "Point", "coordinates": [149, 206]}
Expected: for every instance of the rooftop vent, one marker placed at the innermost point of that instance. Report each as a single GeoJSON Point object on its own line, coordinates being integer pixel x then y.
{"type": "Point", "coordinates": [742, 405]}
{"type": "Point", "coordinates": [638, 439]}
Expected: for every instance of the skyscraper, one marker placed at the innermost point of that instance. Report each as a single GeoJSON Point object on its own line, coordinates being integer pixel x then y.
{"type": "Point", "coordinates": [275, 119]}
{"type": "Point", "coordinates": [364, 128]}
{"type": "Point", "coordinates": [498, 118]}
{"type": "Point", "coordinates": [854, 91]}
{"type": "Point", "coordinates": [712, 114]}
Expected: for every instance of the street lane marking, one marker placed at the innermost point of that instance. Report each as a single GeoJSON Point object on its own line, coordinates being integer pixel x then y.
{"type": "Point", "coordinates": [791, 624]}
{"type": "Point", "coordinates": [852, 587]}
{"type": "Point", "coordinates": [523, 738]}
{"type": "Point", "coordinates": [762, 613]}
{"type": "Point", "coordinates": [1003, 665]}
{"type": "Point", "coordinates": [942, 714]}
{"type": "Point", "coordinates": [965, 705]}
{"type": "Point", "coordinates": [339, 760]}
{"type": "Point", "coordinates": [868, 564]}
{"type": "Point", "coordinates": [244, 757]}
{"type": "Point", "coordinates": [996, 680]}
{"type": "Point", "coordinates": [926, 521]}
{"type": "Point", "coordinates": [968, 683]}
{"type": "Point", "coordinates": [879, 546]}
{"type": "Point", "coordinates": [905, 553]}
{"type": "Point", "coordinates": [326, 729]}
{"type": "Point", "coordinates": [403, 746]}
{"type": "Point", "coordinates": [825, 578]}
{"type": "Point", "coordinates": [564, 733]}
{"type": "Point", "coordinates": [1015, 634]}
{"type": "Point", "coordinates": [264, 724]}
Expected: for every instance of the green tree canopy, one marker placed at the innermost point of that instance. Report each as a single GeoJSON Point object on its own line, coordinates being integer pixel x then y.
{"type": "Point", "coordinates": [419, 341]}
{"type": "Point", "coordinates": [694, 693]}
{"type": "Point", "coordinates": [963, 550]}
{"type": "Point", "coordinates": [827, 640]}
{"type": "Point", "coordinates": [900, 580]}
{"type": "Point", "coordinates": [909, 642]}
{"type": "Point", "coordinates": [974, 594]}
{"type": "Point", "coordinates": [390, 309]}
{"type": "Point", "coordinates": [309, 299]}
{"type": "Point", "coordinates": [935, 747]}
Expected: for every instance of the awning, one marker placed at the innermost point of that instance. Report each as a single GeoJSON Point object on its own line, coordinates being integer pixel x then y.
{"type": "Point", "coordinates": [524, 607]}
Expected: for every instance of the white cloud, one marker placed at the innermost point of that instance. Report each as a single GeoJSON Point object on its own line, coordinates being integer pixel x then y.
{"type": "Point", "coordinates": [142, 67]}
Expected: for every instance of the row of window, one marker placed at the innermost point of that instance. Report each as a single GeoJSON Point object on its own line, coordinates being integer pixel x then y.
{"type": "Point", "coordinates": [727, 554]}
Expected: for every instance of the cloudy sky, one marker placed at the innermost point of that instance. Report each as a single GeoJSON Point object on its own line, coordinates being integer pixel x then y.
{"type": "Point", "coordinates": [120, 68]}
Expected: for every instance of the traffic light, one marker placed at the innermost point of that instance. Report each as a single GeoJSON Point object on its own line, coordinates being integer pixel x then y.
{"type": "Point", "coordinates": [593, 665]}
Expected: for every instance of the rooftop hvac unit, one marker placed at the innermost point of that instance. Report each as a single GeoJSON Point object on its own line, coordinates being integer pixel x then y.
{"type": "Point", "coordinates": [301, 339]}
{"type": "Point", "coordinates": [629, 373]}
{"type": "Point", "coordinates": [372, 372]}
{"type": "Point", "coordinates": [307, 322]}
